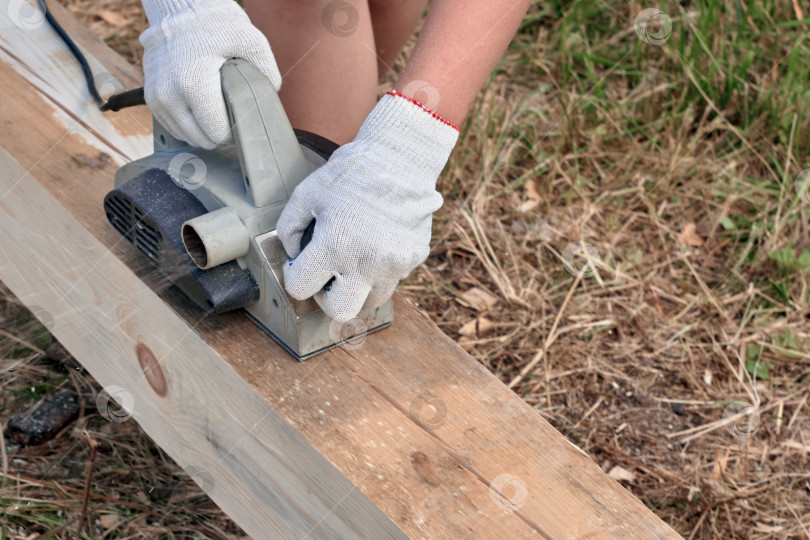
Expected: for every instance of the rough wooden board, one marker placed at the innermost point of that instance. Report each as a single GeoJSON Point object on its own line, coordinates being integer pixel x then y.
{"type": "Point", "coordinates": [110, 320]}
{"type": "Point", "coordinates": [355, 406]}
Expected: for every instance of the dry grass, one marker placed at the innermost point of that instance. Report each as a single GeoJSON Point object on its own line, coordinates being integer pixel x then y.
{"type": "Point", "coordinates": [677, 164]}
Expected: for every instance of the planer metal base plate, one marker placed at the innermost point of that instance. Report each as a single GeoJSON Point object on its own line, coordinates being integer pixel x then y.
{"type": "Point", "coordinates": [357, 338]}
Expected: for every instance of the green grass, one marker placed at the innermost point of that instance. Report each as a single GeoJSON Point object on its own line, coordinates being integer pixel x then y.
{"type": "Point", "coordinates": [746, 76]}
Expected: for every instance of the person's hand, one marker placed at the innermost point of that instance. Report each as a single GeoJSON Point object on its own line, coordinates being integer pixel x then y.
{"type": "Point", "coordinates": [373, 203]}
{"type": "Point", "coordinates": [184, 48]}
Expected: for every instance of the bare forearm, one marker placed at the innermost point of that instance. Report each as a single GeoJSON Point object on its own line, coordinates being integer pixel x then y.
{"type": "Point", "coordinates": [458, 47]}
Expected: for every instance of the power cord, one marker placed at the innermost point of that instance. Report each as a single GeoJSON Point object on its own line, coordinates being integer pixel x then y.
{"type": "Point", "coordinates": [115, 102]}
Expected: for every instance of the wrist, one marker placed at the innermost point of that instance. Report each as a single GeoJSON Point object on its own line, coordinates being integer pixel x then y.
{"type": "Point", "coordinates": [158, 10]}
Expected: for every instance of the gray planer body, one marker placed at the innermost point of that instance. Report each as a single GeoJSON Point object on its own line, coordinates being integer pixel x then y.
{"type": "Point", "coordinates": [207, 219]}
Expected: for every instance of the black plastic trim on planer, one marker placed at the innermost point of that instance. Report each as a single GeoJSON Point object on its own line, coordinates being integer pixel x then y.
{"type": "Point", "coordinates": [207, 219]}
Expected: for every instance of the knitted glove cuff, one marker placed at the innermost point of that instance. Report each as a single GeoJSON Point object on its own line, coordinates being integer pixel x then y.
{"type": "Point", "coordinates": [158, 10]}
{"type": "Point", "coordinates": [418, 137]}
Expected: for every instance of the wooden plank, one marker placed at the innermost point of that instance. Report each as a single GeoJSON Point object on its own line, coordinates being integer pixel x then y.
{"type": "Point", "coordinates": [441, 477]}
{"type": "Point", "coordinates": [107, 317]}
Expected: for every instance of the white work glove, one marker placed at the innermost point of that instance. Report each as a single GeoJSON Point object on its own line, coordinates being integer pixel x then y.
{"type": "Point", "coordinates": [184, 48]}
{"type": "Point", "coordinates": [373, 203]}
